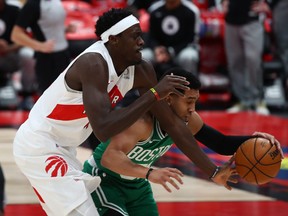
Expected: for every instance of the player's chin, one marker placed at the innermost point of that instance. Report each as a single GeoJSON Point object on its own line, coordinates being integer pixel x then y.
{"type": "Point", "coordinates": [138, 58]}
{"type": "Point", "coordinates": [138, 55]}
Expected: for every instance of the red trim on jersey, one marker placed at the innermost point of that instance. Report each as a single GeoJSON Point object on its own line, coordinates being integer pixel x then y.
{"type": "Point", "coordinates": [66, 112]}
{"type": "Point", "coordinates": [38, 195]}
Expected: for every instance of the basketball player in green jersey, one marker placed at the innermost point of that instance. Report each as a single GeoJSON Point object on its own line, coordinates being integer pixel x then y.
{"type": "Point", "coordinates": [124, 161]}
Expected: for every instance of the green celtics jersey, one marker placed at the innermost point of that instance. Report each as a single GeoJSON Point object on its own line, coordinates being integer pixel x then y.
{"type": "Point", "coordinates": [144, 153]}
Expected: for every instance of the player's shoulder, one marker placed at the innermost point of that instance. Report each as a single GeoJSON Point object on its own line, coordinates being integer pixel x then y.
{"type": "Point", "coordinates": [90, 58]}
{"type": "Point", "coordinates": [195, 115]}
{"type": "Point", "coordinates": [86, 63]}
{"type": "Point", "coordinates": [144, 74]}
{"type": "Point", "coordinates": [144, 67]}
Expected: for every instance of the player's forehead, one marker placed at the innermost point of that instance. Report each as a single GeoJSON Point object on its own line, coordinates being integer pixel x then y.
{"type": "Point", "coordinates": [192, 94]}
{"type": "Point", "coordinates": [134, 29]}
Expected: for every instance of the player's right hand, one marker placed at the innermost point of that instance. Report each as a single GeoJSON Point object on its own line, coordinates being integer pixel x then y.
{"type": "Point", "coordinates": [272, 139]}
{"type": "Point", "coordinates": [226, 174]}
{"type": "Point", "coordinates": [164, 175]}
{"type": "Point", "coordinates": [169, 84]}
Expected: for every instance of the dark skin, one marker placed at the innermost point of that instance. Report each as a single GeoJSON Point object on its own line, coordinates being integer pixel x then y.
{"type": "Point", "coordinates": [115, 156]}
{"type": "Point", "coordinates": [107, 122]}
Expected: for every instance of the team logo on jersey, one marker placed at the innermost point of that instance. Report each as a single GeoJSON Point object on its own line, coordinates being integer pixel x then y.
{"type": "Point", "coordinates": [86, 125]}
{"type": "Point", "coordinates": [56, 166]}
{"type": "Point", "coordinates": [126, 74]}
{"type": "Point", "coordinates": [115, 96]}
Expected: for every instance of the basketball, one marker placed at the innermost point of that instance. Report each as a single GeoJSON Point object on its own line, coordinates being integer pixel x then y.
{"type": "Point", "coordinates": [257, 161]}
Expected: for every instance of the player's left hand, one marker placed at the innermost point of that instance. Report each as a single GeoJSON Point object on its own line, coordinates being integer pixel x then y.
{"type": "Point", "coordinates": [226, 174]}
{"type": "Point", "coordinates": [272, 139]}
{"type": "Point", "coordinates": [166, 175]}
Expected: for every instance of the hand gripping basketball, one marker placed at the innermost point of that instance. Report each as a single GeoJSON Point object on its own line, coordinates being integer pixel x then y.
{"type": "Point", "coordinates": [257, 160]}
{"type": "Point", "coordinates": [272, 139]}
{"type": "Point", "coordinates": [226, 174]}
{"type": "Point", "coordinates": [169, 84]}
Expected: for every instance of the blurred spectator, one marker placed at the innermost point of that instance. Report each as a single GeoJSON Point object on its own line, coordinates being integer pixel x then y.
{"type": "Point", "coordinates": [244, 43]}
{"type": "Point", "coordinates": [279, 19]}
{"type": "Point", "coordinates": [14, 58]}
{"type": "Point", "coordinates": [163, 61]}
{"type": "Point", "coordinates": [174, 24]}
{"type": "Point", "coordinates": [46, 21]}
{"type": "Point", "coordinates": [2, 192]}
{"type": "Point", "coordinates": [140, 4]}
{"type": "Point", "coordinates": [214, 5]}
{"type": "Point", "coordinates": [9, 58]}
{"type": "Point", "coordinates": [28, 78]}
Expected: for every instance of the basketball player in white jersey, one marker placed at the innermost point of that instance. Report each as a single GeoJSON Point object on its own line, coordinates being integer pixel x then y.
{"type": "Point", "coordinates": [81, 101]}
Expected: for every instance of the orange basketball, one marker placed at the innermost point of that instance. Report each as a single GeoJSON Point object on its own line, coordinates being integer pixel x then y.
{"type": "Point", "coordinates": [257, 161]}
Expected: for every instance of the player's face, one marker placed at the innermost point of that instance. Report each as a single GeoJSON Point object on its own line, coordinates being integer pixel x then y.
{"type": "Point", "coordinates": [131, 44]}
{"type": "Point", "coordinates": [184, 106]}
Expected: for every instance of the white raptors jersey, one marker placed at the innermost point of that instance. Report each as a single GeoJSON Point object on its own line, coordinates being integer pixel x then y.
{"type": "Point", "coordinates": [59, 113]}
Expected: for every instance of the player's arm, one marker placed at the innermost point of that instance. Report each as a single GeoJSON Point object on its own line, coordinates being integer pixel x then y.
{"type": "Point", "coordinates": [219, 142]}
{"type": "Point", "coordinates": [115, 157]}
{"type": "Point", "coordinates": [213, 139]}
{"type": "Point", "coordinates": [184, 139]}
{"type": "Point", "coordinates": [89, 74]}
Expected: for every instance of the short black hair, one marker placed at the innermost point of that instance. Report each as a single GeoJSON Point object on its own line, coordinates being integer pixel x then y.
{"type": "Point", "coordinates": [110, 18]}
{"type": "Point", "coordinates": [194, 82]}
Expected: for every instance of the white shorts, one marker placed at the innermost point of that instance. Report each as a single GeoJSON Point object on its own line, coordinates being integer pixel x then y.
{"type": "Point", "coordinates": [53, 171]}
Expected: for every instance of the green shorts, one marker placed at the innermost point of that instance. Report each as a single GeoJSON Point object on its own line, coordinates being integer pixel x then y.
{"type": "Point", "coordinates": [128, 197]}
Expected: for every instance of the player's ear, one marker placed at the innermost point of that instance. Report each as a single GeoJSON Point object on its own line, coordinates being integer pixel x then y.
{"type": "Point", "coordinates": [113, 39]}
{"type": "Point", "coordinates": [168, 99]}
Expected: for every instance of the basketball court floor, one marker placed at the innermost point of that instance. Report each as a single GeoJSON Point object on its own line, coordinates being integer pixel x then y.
{"type": "Point", "coordinates": [197, 197]}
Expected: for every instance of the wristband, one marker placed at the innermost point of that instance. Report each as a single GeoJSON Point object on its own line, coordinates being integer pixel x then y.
{"type": "Point", "coordinates": [155, 93]}
{"type": "Point", "coordinates": [215, 172]}
{"type": "Point", "coordinates": [148, 173]}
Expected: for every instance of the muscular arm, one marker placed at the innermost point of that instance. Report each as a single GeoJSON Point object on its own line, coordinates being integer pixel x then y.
{"type": "Point", "coordinates": [89, 74]}
{"type": "Point", "coordinates": [181, 135]}
{"type": "Point", "coordinates": [213, 139]}
{"type": "Point", "coordinates": [218, 142]}
{"type": "Point", "coordinates": [115, 156]}
{"type": "Point", "coordinates": [105, 121]}
{"type": "Point", "coordinates": [185, 141]}
{"type": "Point", "coordinates": [221, 143]}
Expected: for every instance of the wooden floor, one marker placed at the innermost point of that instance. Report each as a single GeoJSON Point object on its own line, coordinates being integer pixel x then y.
{"type": "Point", "coordinates": [197, 196]}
